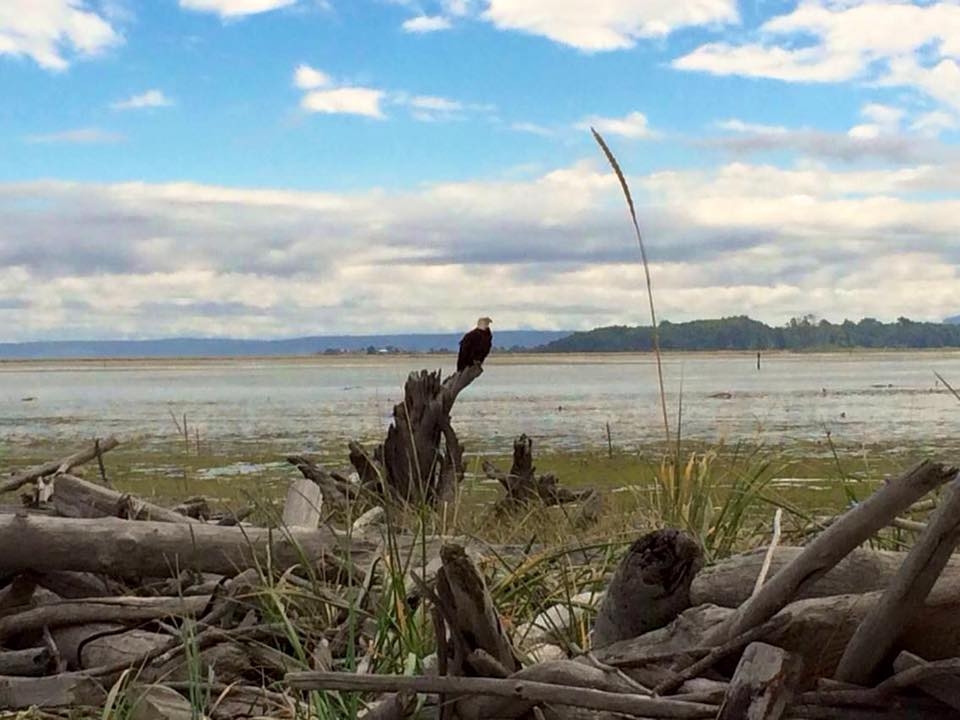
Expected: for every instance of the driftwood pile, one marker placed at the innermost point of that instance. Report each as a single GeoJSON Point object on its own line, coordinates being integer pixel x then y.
{"type": "Point", "coordinates": [101, 589]}
{"type": "Point", "coordinates": [830, 630]}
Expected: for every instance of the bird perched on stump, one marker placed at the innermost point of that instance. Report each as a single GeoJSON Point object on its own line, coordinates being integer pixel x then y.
{"type": "Point", "coordinates": [475, 345]}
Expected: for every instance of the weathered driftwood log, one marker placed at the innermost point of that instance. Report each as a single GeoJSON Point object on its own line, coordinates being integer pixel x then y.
{"type": "Point", "coordinates": [730, 582]}
{"type": "Point", "coordinates": [337, 493]}
{"type": "Point", "coordinates": [468, 610]}
{"type": "Point", "coordinates": [412, 453]}
{"type": "Point", "coordinates": [196, 507]}
{"type": "Point", "coordinates": [97, 644]}
{"type": "Point", "coordinates": [78, 498]}
{"type": "Point", "coordinates": [73, 585]}
{"type": "Point", "coordinates": [685, 670]}
{"type": "Point", "coordinates": [32, 662]}
{"type": "Point", "coordinates": [650, 587]}
{"type": "Point", "coordinates": [304, 504]}
{"type": "Point", "coordinates": [19, 593]}
{"type": "Point", "coordinates": [818, 629]}
{"type": "Point", "coordinates": [100, 610]}
{"type": "Point", "coordinates": [874, 639]}
{"type": "Point", "coordinates": [158, 549]}
{"type": "Point", "coordinates": [524, 690]}
{"type": "Point", "coordinates": [394, 706]}
{"type": "Point", "coordinates": [523, 485]}
{"type": "Point", "coordinates": [762, 685]}
{"type": "Point", "coordinates": [832, 545]}
{"type": "Point", "coordinates": [563, 673]}
{"type": "Point", "coordinates": [64, 465]}
{"type": "Point", "coordinates": [65, 690]}
{"type": "Point", "coordinates": [157, 702]}
{"type": "Point", "coordinates": [945, 688]}
{"type": "Point", "coordinates": [683, 636]}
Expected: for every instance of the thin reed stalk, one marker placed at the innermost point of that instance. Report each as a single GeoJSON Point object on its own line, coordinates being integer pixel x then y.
{"type": "Point", "coordinates": [646, 270]}
{"type": "Point", "coordinates": [949, 387]}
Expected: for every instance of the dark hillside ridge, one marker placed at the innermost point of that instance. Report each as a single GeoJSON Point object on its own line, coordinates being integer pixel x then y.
{"type": "Point", "coordinates": [955, 320]}
{"type": "Point", "coordinates": [742, 333]}
{"type": "Point", "coordinates": [214, 347]}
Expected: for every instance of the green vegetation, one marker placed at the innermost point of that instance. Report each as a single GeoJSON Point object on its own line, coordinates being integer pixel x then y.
{"type": "Point", "coordinates": [743, 333]}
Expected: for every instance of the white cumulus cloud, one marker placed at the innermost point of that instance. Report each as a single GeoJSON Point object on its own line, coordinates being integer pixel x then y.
{"type": "Point", "coordinates": [309, 78]}
{"type": "Point", "coordinates": [345, 100]}
{"type": "Point", "coordinates": [881, 42]}
{"type": "Point", "coordinates": [51, 32]}
{"type": "Point", "coordinates": [149, 99]}
{"type": "Point", "coordinates": [634, 125]}
{"type": "Point", "coordinates": [235, 8]}
{"type": "Point", "coordinates": [426, 24]}
{"type": "Point", "coordinates": [325, 94]}
{"type": "Point", "coordinates": [595, 25]}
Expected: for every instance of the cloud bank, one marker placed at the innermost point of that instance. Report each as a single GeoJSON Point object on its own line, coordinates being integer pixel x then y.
{"type": "Point", "coordinates": [551, 252]}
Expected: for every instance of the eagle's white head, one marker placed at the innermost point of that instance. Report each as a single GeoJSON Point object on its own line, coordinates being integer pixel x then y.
{"type": "Point", "coordinates": [484, 323]}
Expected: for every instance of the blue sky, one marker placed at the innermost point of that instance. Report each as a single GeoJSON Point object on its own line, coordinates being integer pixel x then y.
{"type": "Point", "coordinates": [285, 167]}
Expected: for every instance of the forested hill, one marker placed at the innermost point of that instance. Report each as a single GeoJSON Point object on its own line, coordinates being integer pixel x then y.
{"type": "Point", "coordinates": [742, 333]}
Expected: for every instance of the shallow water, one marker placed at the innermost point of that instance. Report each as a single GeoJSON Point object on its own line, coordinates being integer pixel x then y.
{"type": "Point", "coordinates": [562, 401]}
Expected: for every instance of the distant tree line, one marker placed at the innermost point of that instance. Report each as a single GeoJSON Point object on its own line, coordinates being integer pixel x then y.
{"type": "Point", "coordinates": [742, 333]}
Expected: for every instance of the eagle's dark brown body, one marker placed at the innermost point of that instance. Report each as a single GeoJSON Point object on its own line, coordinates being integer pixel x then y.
{"type": "Point", "coordinates": [474, 347]}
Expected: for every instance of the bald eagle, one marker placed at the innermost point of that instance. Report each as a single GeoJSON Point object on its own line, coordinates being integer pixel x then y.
{"type": "Point", "coordinates": [475, 345]}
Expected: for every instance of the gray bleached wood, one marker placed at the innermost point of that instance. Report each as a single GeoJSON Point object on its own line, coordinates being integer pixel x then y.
{"type": "Point", "coordinates": [66, 690]}
{"type": "Point", "coordinates": [945, 688]}
{"type": "Point", "coordinates": [98, 644]}
{"type": "Point", "coordinates": [469, 611]}
{"type": "Point", "coordinates": [156, 702]}
{"type": "Point", "coordinates": [73, 585]}
{"type": "Point", "coordinates": [158, 549]}
{"type": "Point", "coordinates": [832, 545]}
{"type": "Point", "coordinates": [339, 494]}
{"type": "Point", "coordinates": [304, 504]}
{"type": "Point", "coordinates": [762, 685]}
{"type": "Point", "coordinates": [77, 612]}
{"type": "Point", "coordinates": [78, 498]}
{"type": "Point", "coordinates": [412, 453]}
{"type": "Point", "coordinates": [818, 629]}
{"type": "Point", "coordinates": [650, 587]}
{"type": "Point", "coordinates": [31, 662]}
{"type": "Point", "coordinates": [516, 689]}
{"type": "Point", "coordinates": [730, 582]}
{"type": "Point", "coordinates": [64, 465]}
{"type": "Point", "coordinates": [877, 633]}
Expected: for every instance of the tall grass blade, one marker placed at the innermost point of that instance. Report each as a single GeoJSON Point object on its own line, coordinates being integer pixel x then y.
{"type": "Point", "coordinates": [646, 271]}
{"type": "Point", "coordinates": [949, 387]}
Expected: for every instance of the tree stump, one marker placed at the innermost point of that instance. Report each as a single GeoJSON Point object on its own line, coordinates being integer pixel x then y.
{"type": "Point", "coordinates": [421, 459]}
{"type": "Point", "coordinates": [650, 587]}
{"type": "Point", "coordinates": [524, 486]}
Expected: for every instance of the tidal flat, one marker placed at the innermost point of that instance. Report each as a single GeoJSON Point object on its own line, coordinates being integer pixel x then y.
{"type": "Point", "coordinates": [820, 424]}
